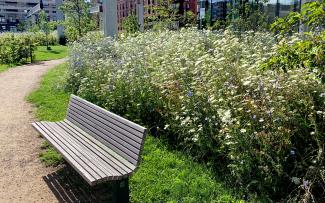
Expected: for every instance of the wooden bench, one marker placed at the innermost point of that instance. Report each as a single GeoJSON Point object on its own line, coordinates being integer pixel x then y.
{"type": "Point", "coordinates": [99, 145]}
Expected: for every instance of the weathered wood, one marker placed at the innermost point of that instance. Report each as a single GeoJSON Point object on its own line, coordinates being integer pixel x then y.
{"type": "Point", "coordinates": [110, 114]}
{"type": "Point", "coordinates": [125, 137]}
{"type": "Point", "coordinates": [98, 144]}
{"type": "Point", "coordinates": [104, 153]}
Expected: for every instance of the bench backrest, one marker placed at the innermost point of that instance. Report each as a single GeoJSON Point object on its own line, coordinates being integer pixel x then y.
{"type": "Point", "coordinates": [122, 136]}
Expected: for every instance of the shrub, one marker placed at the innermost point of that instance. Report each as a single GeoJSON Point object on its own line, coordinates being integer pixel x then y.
{"type": "Point", "coordinates": [19, 47]}
{"type": "Point", "coordinates": [15, 48]}
{"type": "Point", "coordinates": [206, 95]}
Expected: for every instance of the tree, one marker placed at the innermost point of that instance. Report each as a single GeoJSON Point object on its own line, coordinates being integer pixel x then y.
{"type": "Point", "coordinates": [77, 18]}
{"type": "Point", "coordinates": [248, 15]}
{"type": "Point", "coordinates": [162, 14]}
{"type": "Point", "coordinates": [312, 15]}
{"type": "Point", "coordinates": [45, 26]}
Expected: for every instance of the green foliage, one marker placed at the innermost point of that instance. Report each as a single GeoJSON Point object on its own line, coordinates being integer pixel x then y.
{"type": "Point", "coordinates": [45, 26]}
{"type": "Point", "coordinates": [130, 24]}
{"type": "Point", "coordinates": [16, 48]}
{"type": "Point", "coordinates": [312, 15]}
{"type": "Point", "coordinates": [77, 19]}
{"type": "Point", "coordinates": [188, 19]}
{"type": "Point", "coordinates": [247, 15]}
{"type": "Point", "coordinates": [206, 95]}
{"type": "Point", "coordinates": [163, 15]}
{"type": "Point", "coordinates": [166, 176]}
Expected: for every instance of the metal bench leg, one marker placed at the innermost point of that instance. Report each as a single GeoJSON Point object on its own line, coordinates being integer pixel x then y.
{"type": "Point", "coordinates": [121, 191]}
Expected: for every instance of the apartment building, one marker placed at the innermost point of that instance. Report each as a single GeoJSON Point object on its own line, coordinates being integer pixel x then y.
{"type": "Point", "coordinates": [14, 11]}
{"type": "Point", "coordinates": [273, 8]}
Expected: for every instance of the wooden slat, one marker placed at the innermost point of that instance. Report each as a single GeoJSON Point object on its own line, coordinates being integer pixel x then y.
{"type": "Point", "coordinates": [98, 144]}
{"type": "Point", "coordinates": [112, 115]}
{"type": "Point", "coordinates": [124, 129]}
{"type": "Point", "coordinates": [131, 157]}
{"type": "Point", "coordinates": [93, 159]}
{"type": "Point", "coordinates": [133, 139]}
{"type": "Point", "coordinates": [76, 153]}
{"type": "Point", "coordinates": [107, 151]}
{"type": "Point", "coordinates": [114, 165]}
{"type": "Point", "coordinates": [95, 122]}
{"type": "Point", "coordinates": [75, 164]}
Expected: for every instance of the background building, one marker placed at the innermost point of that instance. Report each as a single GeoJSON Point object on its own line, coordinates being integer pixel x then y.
{"type": "Point", "coordinates": [14, 11]}
{"type": "Point", "coordinates": [218, 9]}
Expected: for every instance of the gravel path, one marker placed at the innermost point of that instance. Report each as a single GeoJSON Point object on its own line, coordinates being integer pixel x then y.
{"type": "Point", "coordinates": [21, 172]}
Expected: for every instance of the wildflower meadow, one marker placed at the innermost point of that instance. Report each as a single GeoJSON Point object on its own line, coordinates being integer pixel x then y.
{"type": "Point", "coordinates": [212, 95]}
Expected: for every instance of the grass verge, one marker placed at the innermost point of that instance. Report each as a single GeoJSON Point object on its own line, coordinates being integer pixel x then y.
{"type": "Point", "coordinates": [163, 175]}
{"type": "Point", "coordinates": [56, 52]}
{"type": "Point", "coordinates": [3, 67]}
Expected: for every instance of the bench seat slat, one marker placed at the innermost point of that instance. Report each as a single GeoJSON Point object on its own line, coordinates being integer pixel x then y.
{"type": "Point", "coordinates": [112, 115]}
{"type": "Point", "coordinates": [118, 163]}
{"type": "Point", "coordinates": [105, 149]}
{"type": "Point", "coordinates": [74, 163]}
{"type": "Point", "coordinates": [93, 160]}
{"type": "Point", "coordinates": [98, 135]}
{"type": "Point", "coordinates": [119, 132]}
{"type": "Point", "coordinates": [76, 153]}
{"type": "Point", "coordinates": [108, 134]}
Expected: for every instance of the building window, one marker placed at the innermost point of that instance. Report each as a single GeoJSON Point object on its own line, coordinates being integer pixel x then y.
{"type": "Point", "coordinates": [13, 29]}
{"type": "Point", "coordinates": [2, 19]}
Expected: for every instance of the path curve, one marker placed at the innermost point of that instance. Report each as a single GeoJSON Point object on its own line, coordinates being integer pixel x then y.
{"type": "Point", "coordinates": [21, 172]}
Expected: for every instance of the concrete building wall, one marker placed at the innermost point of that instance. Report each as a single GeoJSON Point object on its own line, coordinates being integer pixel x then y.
{"type": "Point", "coordinates": [13, 11]}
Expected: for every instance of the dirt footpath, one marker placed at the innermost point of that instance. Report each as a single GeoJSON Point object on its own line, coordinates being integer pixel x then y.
{"type": "Point", "coordinates": [21, 172]}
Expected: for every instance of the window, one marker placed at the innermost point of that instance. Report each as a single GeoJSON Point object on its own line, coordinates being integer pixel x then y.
{"type": "Point", "coordinates": [12, 19]}
{"type": "Point", "coordinates": [13, 29]}
{"type": "Point", "coordinates": [12, 10]}
{"type": "Point", "coordinates": [2, 19]}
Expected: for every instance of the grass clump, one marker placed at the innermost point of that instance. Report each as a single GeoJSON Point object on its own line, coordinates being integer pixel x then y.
{"type": "Point", "coordinates": [163, 176]}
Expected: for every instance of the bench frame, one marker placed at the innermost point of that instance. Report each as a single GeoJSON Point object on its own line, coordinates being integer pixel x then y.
{"type": "Point", "coordinates": [112, 141]}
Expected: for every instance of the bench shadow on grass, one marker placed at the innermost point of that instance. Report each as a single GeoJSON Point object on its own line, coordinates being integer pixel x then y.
{"type": "Point", "coordinates": [68, 186]}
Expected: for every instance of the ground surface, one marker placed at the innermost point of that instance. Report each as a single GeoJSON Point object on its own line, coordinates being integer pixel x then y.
{"type": "Point", "coordinates": [21, 172]}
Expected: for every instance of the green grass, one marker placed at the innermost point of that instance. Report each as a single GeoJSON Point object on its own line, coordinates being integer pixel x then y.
{"type": "Point", "coordinates": [56, 52]}
{"type": "Point", "coordinates": [163, 175]}
{"type": "Point", "coordinates": [3, 67]}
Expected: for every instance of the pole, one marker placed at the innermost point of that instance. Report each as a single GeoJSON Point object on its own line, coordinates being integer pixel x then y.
{"type": "Point", "coordinates": [110, 18]}
{"type": "Point", "coordinates": [211, 13]}
{"type": "Point", "coordinates": [140, 15]}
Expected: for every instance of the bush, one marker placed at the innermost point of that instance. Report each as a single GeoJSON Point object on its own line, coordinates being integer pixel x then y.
{"type": "Point", "coordinates": [19, 47]}
{"type": "Point", "coordinates": [206, 95]}
{"type": "Point", "coordinates": [15, 48]}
